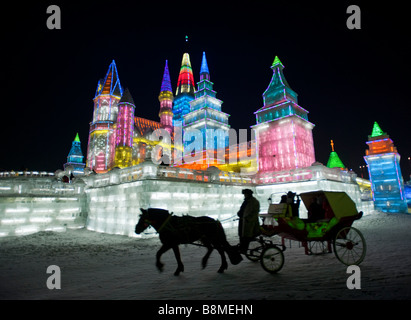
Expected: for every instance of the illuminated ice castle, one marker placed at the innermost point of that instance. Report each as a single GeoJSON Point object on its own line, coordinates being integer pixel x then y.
{"type": "Point", "coordinates": [197, 129]}
{"type": "Point", "coordinates": [189, 162]}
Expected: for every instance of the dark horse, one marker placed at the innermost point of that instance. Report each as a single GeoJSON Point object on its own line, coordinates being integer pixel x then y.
{"type": "Point", "coordinates": [175, 230]}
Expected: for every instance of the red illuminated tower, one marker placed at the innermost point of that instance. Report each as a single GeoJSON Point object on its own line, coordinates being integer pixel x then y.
{"type": "Point", "coordinates": [283, 132]}
{"type": "Point", "coordinates": [185, 91]}
{"type": "Point", "coordinates": [125, 131]}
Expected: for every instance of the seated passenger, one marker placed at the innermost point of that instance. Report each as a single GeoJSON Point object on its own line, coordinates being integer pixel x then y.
{"type": "Point", "coordinates": [328, 213]}
{"type": "Point", "coordinates": [315, 210]}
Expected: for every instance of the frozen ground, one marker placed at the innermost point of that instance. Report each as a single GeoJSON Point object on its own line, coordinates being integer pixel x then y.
{"type": "Point", "coordinates": [102, 266]}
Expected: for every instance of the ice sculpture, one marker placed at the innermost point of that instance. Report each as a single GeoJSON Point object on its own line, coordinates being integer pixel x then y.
{"type": "Point", "coordinates": [383, 162]}
{"type": "Point", "coordinates": [101, 144]}
{"type": "Point", "coordinates": [284, 134]}
{"type": "Point", "coordinates": [75, 158]}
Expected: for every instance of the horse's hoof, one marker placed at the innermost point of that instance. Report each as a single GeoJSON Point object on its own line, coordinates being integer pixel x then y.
{"type": "Point", "coordinates": [178, 271]}
{"type": "Point", "coordinates": [160, 267]}
{"type": "Point", "coordinates": [221, 270]}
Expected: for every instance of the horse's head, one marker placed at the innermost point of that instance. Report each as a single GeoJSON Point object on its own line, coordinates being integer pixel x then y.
{"type": "Point", "coordinates": [151, 217]}
{"type": "Point", "coordinates": [143, 222]}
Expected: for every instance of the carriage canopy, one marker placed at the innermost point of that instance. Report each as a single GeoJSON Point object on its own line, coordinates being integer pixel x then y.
{"type": "Point", "coordinates": [341, 204]}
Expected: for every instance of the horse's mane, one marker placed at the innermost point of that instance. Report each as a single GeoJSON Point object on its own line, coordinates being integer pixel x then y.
{"type": "Point", "coordinates": [157, 213]}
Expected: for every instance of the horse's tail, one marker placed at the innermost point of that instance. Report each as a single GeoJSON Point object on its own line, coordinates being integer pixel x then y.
{"type": "Point", "coordinates": [232, 251]}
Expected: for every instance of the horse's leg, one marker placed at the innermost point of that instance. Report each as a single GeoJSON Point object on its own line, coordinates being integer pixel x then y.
{"type": "Point", "coordinates": [163, 249]}
{"type": "Point", "coordinates": [207, 255]}
{"type": "Point", "coordinates": [180, 266]}
{"type": "Point", "coordinates": [224, 264]}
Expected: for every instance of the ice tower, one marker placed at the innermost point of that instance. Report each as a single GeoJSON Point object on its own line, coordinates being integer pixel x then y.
{"type": "Point", "coordinates": [383, 162]}
{"type": "Point", "coordinates": [101, 143]}
{"type": "Point", "coordinates": [206, 116]}
{"type": "Point", "coordinates": [283, 132]}
{"type": "Point", "coordinates": [166, 101]}
{"type": "Point", "coordinates": [125, 131]}
{"type": "Point", "coordinates": [185, 91]}
{"type": "Point", "coordinates": [75, 158]}
{"type": "Point", "coordinates": [334, 160]}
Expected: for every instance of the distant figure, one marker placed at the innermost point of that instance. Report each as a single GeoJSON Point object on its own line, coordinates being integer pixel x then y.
{"type": "Point", "coordinates": [249, 225]}
{"type": "Point", "coordinates": [283, 199]}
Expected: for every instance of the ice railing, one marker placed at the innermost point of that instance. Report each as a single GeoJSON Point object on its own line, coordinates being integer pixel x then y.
{"type": "Point", "coordinates": [315, 172]}
{"type": "Point", "coordinates": [10, 174]}
{"type": "Point", "coordinates": [39, 186]}
{"type": "Point", "coordinates": [150, 171]}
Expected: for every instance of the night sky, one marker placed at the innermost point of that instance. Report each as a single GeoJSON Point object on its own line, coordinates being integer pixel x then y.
{"type": "Point", "coordinates": [346, 79]}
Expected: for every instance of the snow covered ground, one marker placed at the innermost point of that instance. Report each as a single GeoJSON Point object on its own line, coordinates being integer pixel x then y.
{"type": "Point", "coordinates": [101, 266]}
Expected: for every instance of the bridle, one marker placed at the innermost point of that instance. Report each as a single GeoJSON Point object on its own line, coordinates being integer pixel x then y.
{"type": "Point", "coordinates": [150, 223]}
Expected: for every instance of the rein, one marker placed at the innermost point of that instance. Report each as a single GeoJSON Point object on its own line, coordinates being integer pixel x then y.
{"type": "Point", "coordinates": [164, 223]}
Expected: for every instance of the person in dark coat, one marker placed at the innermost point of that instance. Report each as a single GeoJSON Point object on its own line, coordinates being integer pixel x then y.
{"type": "Point", "coordinates": [249, 225]}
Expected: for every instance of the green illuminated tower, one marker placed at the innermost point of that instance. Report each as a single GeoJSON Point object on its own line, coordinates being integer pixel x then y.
{"type": "Point", "coordinates": [334, 160]}
{"type": "Point", "coordinates": [75, 158]}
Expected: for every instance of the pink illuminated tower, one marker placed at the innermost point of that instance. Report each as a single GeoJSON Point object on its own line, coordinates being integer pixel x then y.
{"type": "Point", "coordinates": [166, 101]}
{"type": "Point", "coordinates": [101, 141]}
{"type": "Point", "coordinates": [283, 132]}
{"type": "Point", "coordinates": [125, 131]}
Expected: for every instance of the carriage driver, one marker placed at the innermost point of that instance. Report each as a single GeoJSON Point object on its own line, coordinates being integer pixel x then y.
{"type": "Point", "coordinates": [248, 226]}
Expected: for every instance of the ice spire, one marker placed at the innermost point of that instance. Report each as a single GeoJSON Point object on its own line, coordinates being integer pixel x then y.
{"type": "Point", "coordinates": [185, 83]}
{"type": "Point", "coordinates": [111, 83]}
{"type": "Point", "coordinates": [278, 89]}
{"type": "Point", "coordinates": [166, 101]}
{"type": "Point", "coordinates": [334, 160]}
{"type": "Point", "coordinates": [204, 72]}
{"type": "Point", "coordinates": [376, 131]}
{"type": "Point", "coordinates": [166, 83]}
{"type": "Point", "coordinates": [276, 63]}
{"type": "Point", "coordinates": [127, 98]}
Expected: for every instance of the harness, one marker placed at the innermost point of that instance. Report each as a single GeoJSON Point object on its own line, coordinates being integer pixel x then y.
{"type": "Point", "coordinates": [165, 223]}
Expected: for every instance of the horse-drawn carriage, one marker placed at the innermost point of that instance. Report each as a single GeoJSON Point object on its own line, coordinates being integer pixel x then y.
{"type": "Point", "coordinates": [327, 228]}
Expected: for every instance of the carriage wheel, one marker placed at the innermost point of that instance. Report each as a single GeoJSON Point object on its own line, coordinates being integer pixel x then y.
{"type": "Point", "coordinates": [317, 247]}
{"type": "Point", "coordinates": [349, 246]}
{"type": "Point", "coordinates": [272, 259]}
{"type": "Point", "coordinates": [254, 251]}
